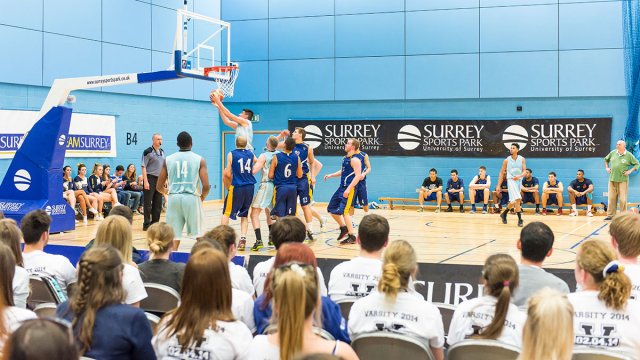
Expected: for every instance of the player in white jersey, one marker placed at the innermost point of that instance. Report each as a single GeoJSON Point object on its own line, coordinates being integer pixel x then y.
{"type": "Point", "coordinates": [604, 316]}
{"type": "Point", "coordinates": [188, 187]}
{"type": "Point", "coordinates": [240, 123]}
{"type": "Point", "coordinates": [491, 316]}
{"type": "Point", "coordinates": [263, 200]}
{"type": "Point", "coordinates": [356, 278]}
{"type": "Point", "coordinates": [395, 307]}
{"type": "Point", "coordinates": [514, 166]}
{"type": "Point", "coordinates": [625, 238]}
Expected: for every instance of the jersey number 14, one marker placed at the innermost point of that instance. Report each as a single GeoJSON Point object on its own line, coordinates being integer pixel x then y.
{"type": "Point", "coordinates": [245, 166]}
{"type": "Point", "coordinates": [181, 169]}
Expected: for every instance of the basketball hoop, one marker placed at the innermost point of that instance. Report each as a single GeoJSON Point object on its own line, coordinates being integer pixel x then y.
{"type": "Point", "coordinates": [225, 76]}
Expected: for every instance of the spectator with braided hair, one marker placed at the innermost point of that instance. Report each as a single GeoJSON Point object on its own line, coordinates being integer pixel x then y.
{"type": "Point", "coordinates": [604, 316]}
{"type": "Point", "coordinates": [104, 327]}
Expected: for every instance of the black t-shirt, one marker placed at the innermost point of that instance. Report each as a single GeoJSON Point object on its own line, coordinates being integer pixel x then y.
{"type": "Point", "coordinates": [162, 272]}
{"type": "Point", "coordinates": [427, 183]}
{"type": "Point", "coordinates": [581, 186]}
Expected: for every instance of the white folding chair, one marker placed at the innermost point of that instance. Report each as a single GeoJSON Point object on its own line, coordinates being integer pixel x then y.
{"type": "Point", "coordinates": [597, 354]}
{"type": "Point", "coordinates": [481, 349]}
{"type": "Point", "coordinates": [387, 345]}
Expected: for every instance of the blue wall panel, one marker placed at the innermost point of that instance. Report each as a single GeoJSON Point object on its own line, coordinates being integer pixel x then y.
{"type": "Point", "coordinates": [493, 3]}
{"type": "Point", "coordinates": [370, 35]}
{"type": "Point", "coordinates": [250, 40]}
{"type": "Point", "coordinates": [23, 13]}
{"type": "Point", "coordinates": [511, 28]}
{"type": "Point", "coordinates": [301, 38]}
{"type": "Point", "coordinates": [359, 78]}
{"type": "Point", "coordinates": [368, 6]}
{"type": "Point", "coordinates": [526, 74]}
{"type": "Point", "coordinates": [244, 9]}
{"type": "Point", "coordinates": [591, 25]}
{"type": "Point", "coordinates": [442, 76]}
{"type": "Point", "coordinates": [592, 73]}
{"type": "Point", "coordinates": [127, 22]}
{"type": "Point", "coordinates": [163, 29]}
{"type": "Point", "coordinates": [118, 59]}
{"type": "Point", "coordinates": [425, 30]}
{"type": "Point", "coordinates": [441, 4]}
{"type": "Point", "coordinates": [301, 80]}
{"type": "Point", "coordinates": [252, 83]}
{"type": "Point", "coordinates": [23, 64]}
{"type": "Point", "coordinates": [293, 8]}
{"type": "Point", "coordinates": [59, 19]}
{"type": "Point", "coordinates": [59, 64]}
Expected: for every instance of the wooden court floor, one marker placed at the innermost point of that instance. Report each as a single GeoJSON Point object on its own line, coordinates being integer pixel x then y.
{"type": "Point", "coordinates": [451, 238]}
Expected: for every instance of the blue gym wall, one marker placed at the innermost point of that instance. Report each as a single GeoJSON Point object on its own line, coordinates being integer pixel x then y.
{"type": "Point", "coordinates": [442, 59]}
{"type": "Point", "coordinates": [48, 39]}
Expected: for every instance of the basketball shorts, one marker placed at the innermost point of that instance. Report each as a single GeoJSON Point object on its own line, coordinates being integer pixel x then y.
{"type": "Point", "coordinates": [305, 190]}
{"type": "Point", "coordinates": [504, 200]}
{"type": "Point", "coordinates": [454, 197]}
{"type": "Point", "coordinates": [528, 197]}
{"type": "Point", "coordinates": [582, 200]}
{"type": "Point", "coordinates": [340, 205]}
{"type": "Point", "coordinates": [361, 194]}
{"type": "Point", "coordinates": [479, 196]}
{"type": "Point", "coordinates": [552, 199]}
{"type": "Point", "coordinates": [184, 213]}
{"type": "Point", "coordinates": [238, 201]}
{"type": "Point", "coordinates": [264, 196]}
{"type": "Point", "coordinates": [432, 197]}
{"type": "Point", "coordinates": [285, 200]}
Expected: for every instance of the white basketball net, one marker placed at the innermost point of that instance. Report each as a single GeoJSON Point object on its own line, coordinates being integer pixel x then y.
{"type": "Point", "coordinates": [227, 80]}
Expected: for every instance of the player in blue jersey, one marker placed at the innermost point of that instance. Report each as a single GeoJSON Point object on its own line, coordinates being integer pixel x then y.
{"type": "Point", "coordinates": [455, 191]}
{"type": "Point", "coordinates": [188, 186]}
{"type": "Point", "coordinates": [342, 200]}
{"type": "Point", "coordinates": [513, 169]}
{"type": "Point", "coordinates": [239, 173]}
{"type": "Point", "coordinates": [552, 193]}
{"type": "Point", "coordinates": [479, 190]}
{"type": "Point", "coordinates": [308, 180]}
{"type": "Point", "coordinates": [285, 170]}
{"type": "Point", "coordinates": [361, 197]}
{"type": "Point", "coordinates": [530, 186]}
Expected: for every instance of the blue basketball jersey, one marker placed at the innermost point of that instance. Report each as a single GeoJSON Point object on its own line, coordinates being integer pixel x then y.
{"type": "Point", "coordinates": [285, 172]}
{"type": "Point", "coordinates": [361, 155]}
{"type": "Point", "coordinates": [529, 183]}
{"type": "Point", "coordinates": [504, 185]}
{"type": "Point", "coordinates": [481, 181]}
{"type": "Point", "coordinates": [554, 186]}
{"type": "Point", "coordinates": [455, 185]}
{"type": "Point", "coordinates": [347, 171]}
{"type": "Point", "coordinates": [302, 150]}
{"type": "Point", "coordinates": [242, 167]}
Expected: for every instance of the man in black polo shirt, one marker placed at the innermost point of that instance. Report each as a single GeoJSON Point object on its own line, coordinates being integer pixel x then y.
{"type": "Point", "coordinates": [580, 193]}
{"type": "Point", "coordinates": [152, 160]}
{"type": "Point", "coordinates": [431, 190]}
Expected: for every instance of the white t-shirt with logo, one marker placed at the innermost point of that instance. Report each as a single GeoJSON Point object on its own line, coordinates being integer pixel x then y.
{"type": "Point", "coordinates": [353, 279]}
{"type": "Point", "coordinates": [13, 318]}
{"type": "Point", "coordinates": [133, 285]}
{"type": "Point", "coordinates": [633, 272]}
{"type": "Point", "coordinates": [410, 314]}
{"type": "Point", "coordinates": [474, 315]}
{"type": "Point", "coordinates": [242, 308]}
{"type": "Point", "coordinates": [228, 342]}
{"type": "Point", "coordinates": [20, 287]}
{"type": "Point", "coordinates": [240, 278]}
{"type": "Point", "coordinates": [59, 267]}
{"type": "Point", "coordinates": [261, 270]}
{"type": "Point", "coordinates": [595, 325]}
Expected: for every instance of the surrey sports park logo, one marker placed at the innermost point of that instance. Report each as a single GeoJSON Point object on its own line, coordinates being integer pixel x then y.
{"type": "Point", "coordinates": [62, 139]}
{"type": "Point", "coordinates": [55, 209]}
{"type": "Point", "coordinates": [22, 180]}
{"type": "Point", "coordinates": [313, 138]}
{"type": "Point", "coordinates": [515, 134]}
{"type": "Point", "coordinates": [409, 137]}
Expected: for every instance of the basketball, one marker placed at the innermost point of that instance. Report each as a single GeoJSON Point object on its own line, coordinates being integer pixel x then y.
{"type": "Point", "coordinates": [219, 94]}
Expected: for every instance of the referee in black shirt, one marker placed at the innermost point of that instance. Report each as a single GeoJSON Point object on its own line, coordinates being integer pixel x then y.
{"type": "Point", "coordinates": [152, 160]}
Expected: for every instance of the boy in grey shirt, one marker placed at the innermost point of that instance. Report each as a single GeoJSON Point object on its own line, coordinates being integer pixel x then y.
{"type": "Point", "coordinates": [535, 244]}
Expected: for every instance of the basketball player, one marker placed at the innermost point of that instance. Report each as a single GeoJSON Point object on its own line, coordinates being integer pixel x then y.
{"type": "Point", "coordinates": [431, 190]}
{"type": "Point", "coordinates": [514, 168]}
{"type": "Point", "coordinates": [455, 191]}
{"type": "Point", "coordinates": [308, 180]}
{"type": "Point", "coordinates": [241, 123]}
{"type": "Point", "coordinates": [529, 190]}
{"type": "Point", "coordinates": [580, 192]}
{"type": "Point", "coordinates": [239, 172]}
{"type": "Point", "coordinates": [479, 190]}
{"type": "Point", "coordinates": [342, 200]}
{"type": "Point", "coordinates": [187, 189]}
{"type": "Point", "coordinates": [361, 189]}
{"type": "Point", "coordinates": [500, 196]}
{"type": "Point", "coordinates": [552, 193]}
{"type": "Point", "coordinates": [285, 170]}
{"type": "Point", "coordinates": [264, 196]}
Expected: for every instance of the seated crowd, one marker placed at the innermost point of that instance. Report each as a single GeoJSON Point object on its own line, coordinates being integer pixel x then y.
{"type": "Point", "coordinates": [580, 192]}
{"type": "Point", "coordinates": [295, 313]}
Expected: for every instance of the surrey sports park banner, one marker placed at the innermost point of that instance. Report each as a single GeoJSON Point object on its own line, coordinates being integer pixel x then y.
{"type": "Point", "coordinates": [89, 135]}
{"type": "Point", "coordinates": [570, 137]}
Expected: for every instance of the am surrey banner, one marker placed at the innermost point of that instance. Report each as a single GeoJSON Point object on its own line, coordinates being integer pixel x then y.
{"type": "Point", "coordinates": [542, 138]}
{"type": "Point", "coordinates": [89, 135]}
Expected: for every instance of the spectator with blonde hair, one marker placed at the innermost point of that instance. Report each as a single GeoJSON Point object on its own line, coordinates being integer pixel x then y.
{"type": "Point", "coordinates": [420, 319]}
{"type": "Point", "coordinates": [491, 316]}
{"type": "Point", "coordinates": [548, 331]}
{"type": "Point", "coordinates": [82, 183]}
{"type": "Point", "coordinates": [102, 188]}
{"type": "Point", "coordinates": [604, 316]}
{"type": "Point", "coordinates": [115, 231]}
{"type": "Point", "coordinates": [159, 268]}
{"type": "Point", "coordinates": [69, 187]}
{"type": "Point", "coordinates": [11, 236]}
{"type": "Point", "coordinates": [625, 238]}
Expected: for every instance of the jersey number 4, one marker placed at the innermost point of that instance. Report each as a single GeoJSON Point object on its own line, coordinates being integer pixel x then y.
{"type": "Point", "coordinates": [181, 169]}
{"type": "Point", "coordinates": [245, 166]}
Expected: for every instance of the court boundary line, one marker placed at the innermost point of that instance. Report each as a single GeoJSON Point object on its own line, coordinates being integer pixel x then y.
{"type": "Point", "coordinates": [466, 251]}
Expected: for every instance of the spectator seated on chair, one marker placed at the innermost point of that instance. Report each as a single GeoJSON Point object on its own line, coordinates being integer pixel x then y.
{"type": "Point", "coordinates": [125, 212]}
{"type": "Point", "coordinates": [132, 185]}
{"type": "Point", "coordinates": [11, 236]}
{"type": "Point", "coordinates": [102, 188]}
{"type": "Point", "coordinates": [625, 238]}
{"type": "Point", "coordinates": [42, 339]}
{"type": "Point", "coordinates": [159, 269]}
{"type": "Point", "coordinates": [226, 236]}
{"type": "Point", "coordinates": [121, 189]}
{"type": "Point", "coordinates": [82, 183]}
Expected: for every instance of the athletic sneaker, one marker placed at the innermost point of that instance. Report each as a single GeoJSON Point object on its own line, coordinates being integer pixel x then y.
{"type": "Point", "coordinates": [257, 246]}
{"type": "Point", "coordinates": [310, 235]}
{"type": "Point", "coordinates": [323, 222]}
{"type": "Point", "coordinates": [559, 212]}
{"type": "Point", "coordinates": [98, 217]}
{"type": "Point", "coordinates": [461, 209]}
{"type": "Point", "coordinates": [343, 234]}
{"type": "Point", "coordinates": [350, 240]}
{"type": "Point", "coordinates": [84, 220]}
{"type": "Point", "coordinates": [520, 223]}
{"type": "Point", "coordinates": [421, 209]}
{"type": "Point", "coordinates": [503, 216]}
{"type": "Point", "coordinates": [589, 214]}
{"type": "Point", "coordinates": [242, 244]}
{"type": "Point", "coordinates": [573, 213]}
{"type": "Point", "coordinates": [537, 211]}
{"type": "Point", "coordinates": [437, 210]}
{"type": "Point", "coordinates": [544, 212]}
{"type": "Point", "coordinates": [93, 211]}
{"type": "Point", "coordinates": [484, 209]}
{"type": "Point", "coordinates": [449, 209]}
{"type": "Point", "coordinates": [473, 209]}
{"type": "Point", "coordinates": [271, 244]}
